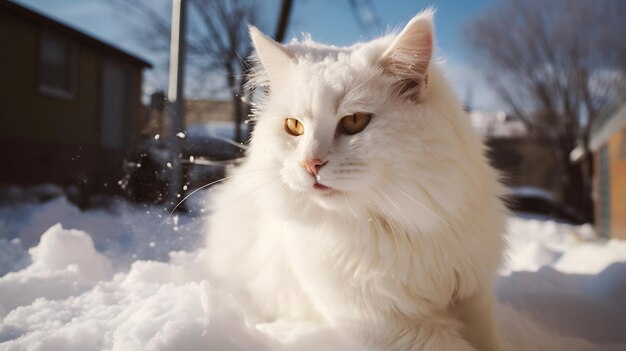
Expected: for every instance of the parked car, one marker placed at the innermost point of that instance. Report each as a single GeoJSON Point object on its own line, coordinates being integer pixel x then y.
{"type": "Point", "coordinates": [537, 201]}
{"type": "Point", "coordinates": [204, 159]}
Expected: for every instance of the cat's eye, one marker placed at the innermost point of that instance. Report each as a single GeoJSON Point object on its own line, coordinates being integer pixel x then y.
{"type": "Point", "coordinates": [354, 123]}
{"type": "Point", "coordinates": [294, 127]}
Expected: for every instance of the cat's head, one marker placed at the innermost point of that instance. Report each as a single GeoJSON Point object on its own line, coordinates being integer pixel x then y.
{"type": "Point", "coordinates": [351, 126]}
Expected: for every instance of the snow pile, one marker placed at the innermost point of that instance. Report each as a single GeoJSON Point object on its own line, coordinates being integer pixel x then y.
{"type": "Point", "coordinates": [567, 281]}
{"type": "Point", "coordinates": [64, 263]}
{"type": "Point", "coordinates": [536, 242]}
{"type": "Point", "coordinates": [11, 255]}
{"type": "Point", "coordinates": [124, 233]}
{"type": "Point", "coordinates": [99, 287]}
{"type": "Point", "coordinates": [68, 301]}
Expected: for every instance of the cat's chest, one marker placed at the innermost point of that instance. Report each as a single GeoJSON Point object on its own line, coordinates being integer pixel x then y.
{"type": "Point", "coordinates": [322, 264]}
{"type": "Point", "coordinates": [360, 248]}
{"type": "Point", "coordinates": [344, 254]}
{"type": "Point", "coordinates": [321, 253]}
{"type": "Point", "coordinates": [324, 241]}
{"type": "Point", "coordinates": [349, 265]}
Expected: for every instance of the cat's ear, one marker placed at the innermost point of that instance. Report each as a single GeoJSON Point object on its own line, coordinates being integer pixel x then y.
{"type": "Point", "coordinates": [409, 56]}
{"type": "Point", "coordinates": [275, 58]}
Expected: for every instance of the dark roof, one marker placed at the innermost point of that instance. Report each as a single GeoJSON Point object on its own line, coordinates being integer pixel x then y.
{"type": "Point", "coordinates": [47, 22]}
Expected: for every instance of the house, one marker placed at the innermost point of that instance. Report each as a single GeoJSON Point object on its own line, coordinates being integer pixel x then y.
{"type": "Point", "coordinates": [608, 145]}
{"type": "Point", "coordinates": [523, 160]}
{"type": "Point", "coordinates": [69, 103]}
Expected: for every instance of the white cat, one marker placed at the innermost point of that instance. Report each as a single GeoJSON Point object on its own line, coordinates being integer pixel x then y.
{"type": "Point", "coordinates": [365, 201]}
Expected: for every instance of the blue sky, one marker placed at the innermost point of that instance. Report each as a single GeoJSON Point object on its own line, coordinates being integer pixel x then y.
{"type": "Point", "coordinates": [328, 21]}
{"type": "Point", "coordinates": [332, 21]}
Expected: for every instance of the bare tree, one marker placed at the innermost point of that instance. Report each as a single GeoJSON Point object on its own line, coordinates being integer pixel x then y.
{"type": "Point", "coordinates": [217, 40]}
{"type": "Point", "coordinates": [556, 65]}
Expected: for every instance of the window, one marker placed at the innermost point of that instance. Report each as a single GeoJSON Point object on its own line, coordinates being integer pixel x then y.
{"type": "Point", "coordinates": [56, 63]}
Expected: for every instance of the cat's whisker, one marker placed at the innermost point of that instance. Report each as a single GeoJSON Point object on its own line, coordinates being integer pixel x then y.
{"type": "Point", "coordinates": [206, 222]}
{"type": "Point", "coordinates": [245, 63]}
{"type": "Point", "coordinates": [406, 237]}
{"type": "Point", "coordinates": [380, 227]}
{"type": "Point", "coordinates": [193, 192]}
{"type": "Point", "coordinates": [400, 226]}
{"type": "Point", "coordinates": [350, 205]}
{"type": "Point", "coordinates": [208, 185]}
{"type": "Point", "coordinates": [396, 207]}
{"type": "Point", "coordinates": [324, 223]}
{"type": "Point", "coordinates": [234, 143]}
{"type": "Point", "coordinates": [257, 189]}
{"type": "Point", "coordinates": [426, 208]}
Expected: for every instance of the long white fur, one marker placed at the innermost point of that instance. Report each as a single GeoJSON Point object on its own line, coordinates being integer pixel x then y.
{"type": "Point", "coordinates": [403, 254]}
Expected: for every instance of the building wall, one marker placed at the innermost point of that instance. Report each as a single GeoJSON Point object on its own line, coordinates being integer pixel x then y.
{"type": "Point", "coordinates": [47, 138]}
{"type": "Point", "coordinates": [610, 187]}
{"type": "Point", "coordinates": [617, 164]}
{"type": "Point", "coordinates": [28, 113]}
{"type": "Point", "coordinates": [602, 192]}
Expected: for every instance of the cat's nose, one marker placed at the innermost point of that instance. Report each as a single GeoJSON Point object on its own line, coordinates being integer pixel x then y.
{"type": "Point", "coordinates": [313, 166]}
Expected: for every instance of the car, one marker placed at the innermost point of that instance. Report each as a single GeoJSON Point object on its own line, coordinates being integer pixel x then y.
{"type": "Point", "coordinates": [528, 200]}
{"type": "Point", "coordinates": [204, 158]}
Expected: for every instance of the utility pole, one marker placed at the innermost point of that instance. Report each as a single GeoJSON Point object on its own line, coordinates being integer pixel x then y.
{"type": "Point", "coordinates": [175, 98]}
{"type": "Point", "coordinates": [283, 20]}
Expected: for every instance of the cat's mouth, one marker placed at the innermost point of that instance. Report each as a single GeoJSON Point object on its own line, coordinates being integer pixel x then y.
{"type": "Point", "coordinates": [319, 186]}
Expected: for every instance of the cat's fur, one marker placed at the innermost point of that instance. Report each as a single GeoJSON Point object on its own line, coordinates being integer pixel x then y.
{"type": "Point", "coordinates": [403, 253]}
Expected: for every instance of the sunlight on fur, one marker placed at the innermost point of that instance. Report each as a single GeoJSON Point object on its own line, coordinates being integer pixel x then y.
{"type": "Point", "coordinates": [388, 228]}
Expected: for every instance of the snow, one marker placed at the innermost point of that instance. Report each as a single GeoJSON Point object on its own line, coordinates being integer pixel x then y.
{"type": "Point", "coordinates": [123, 278]}
{"type": "Point", "coordinates": [496, 125]}
{"type": "Point", "coordinates": [569, 282]}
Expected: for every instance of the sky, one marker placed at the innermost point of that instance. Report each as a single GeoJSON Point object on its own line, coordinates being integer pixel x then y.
{"type": "Point", "coordinates": [328, 21]}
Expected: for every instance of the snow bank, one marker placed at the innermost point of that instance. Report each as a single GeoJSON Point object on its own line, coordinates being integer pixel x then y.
{"type": "Point", "coordinates": [567, 281]}
{"type": "Point", "coordinates": [124, 233]}
{"type": "Point", "coordinates": [64, 263]}
{"type": "Point", "coordinates": [100, 287]}
{"type": "Point", "coordinates": [68, 299]}
{"type": "Point", "coordinates": [537, 242]}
